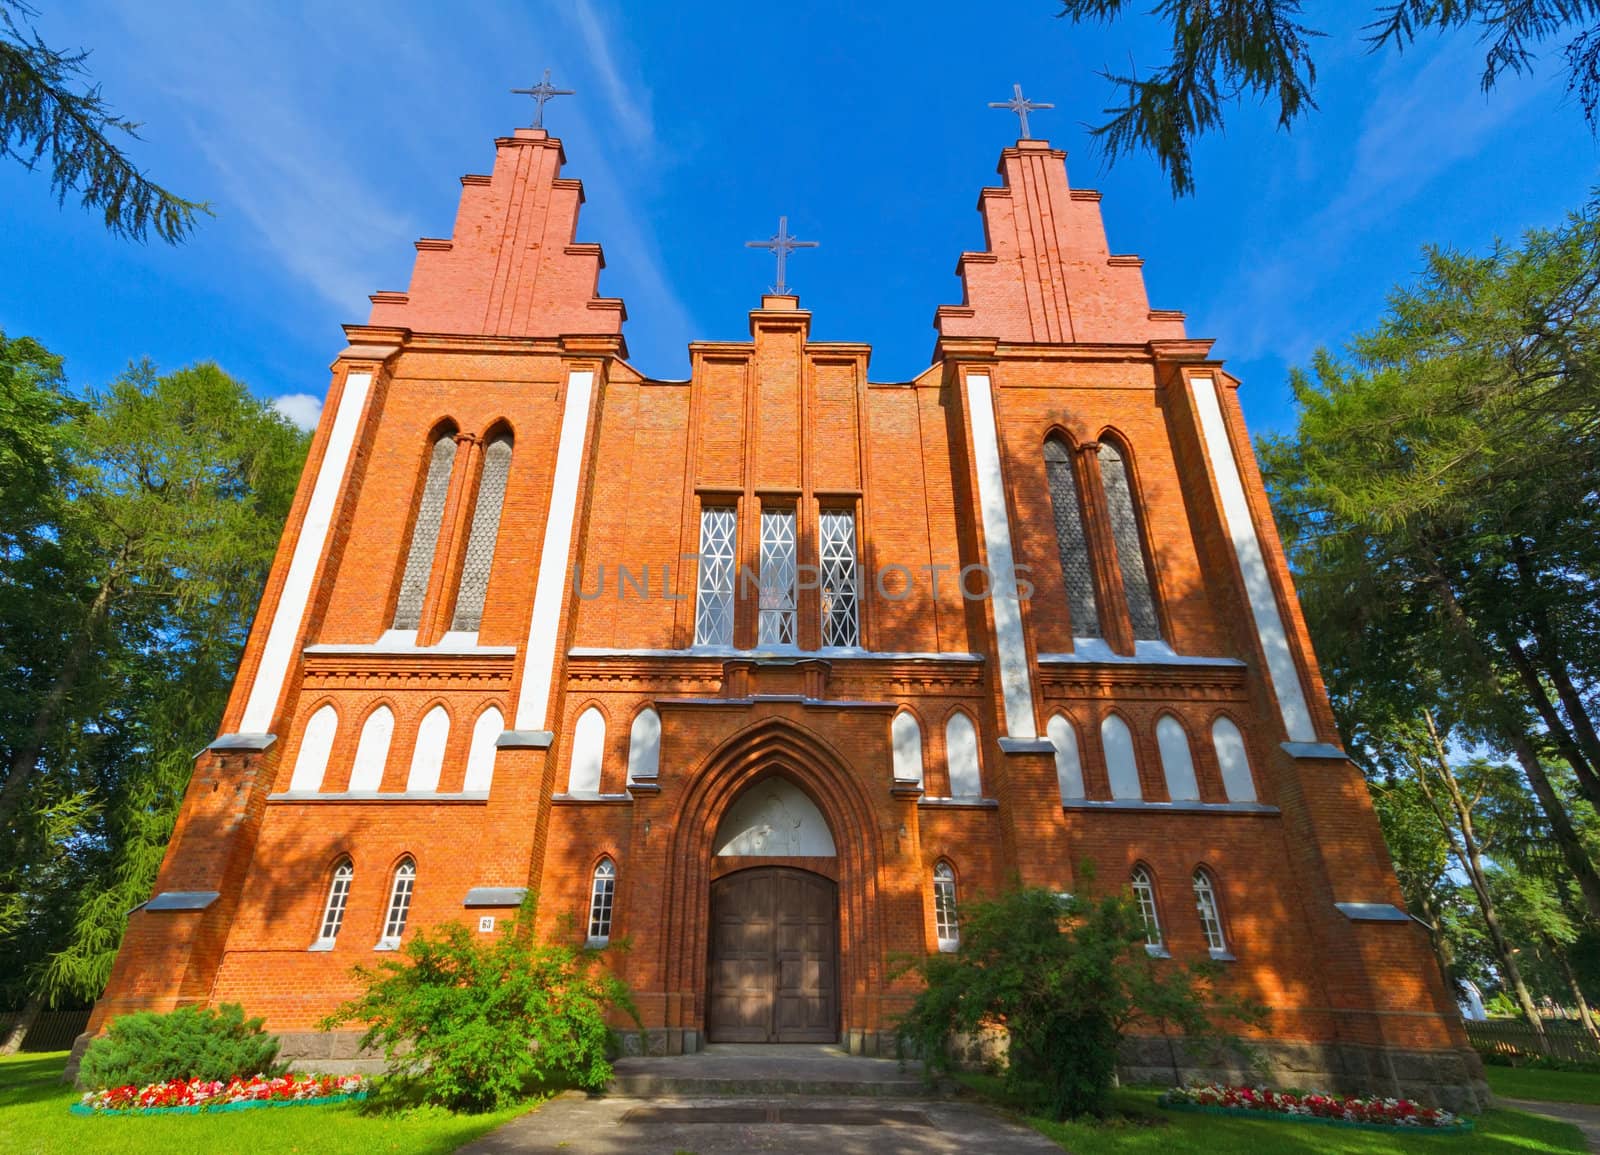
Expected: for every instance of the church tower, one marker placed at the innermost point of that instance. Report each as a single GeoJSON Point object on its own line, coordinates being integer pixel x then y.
{"type": "Point", "coordinates": [770, 669]}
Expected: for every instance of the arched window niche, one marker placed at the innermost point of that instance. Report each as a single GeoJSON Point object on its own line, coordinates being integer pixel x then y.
{"type": "Point", "coordinates": [1233, 760]}
{"type": "Point", "coordinates": [1128, 536]}
{"type": "Point", "coordinates": [1072, 543]}
{"type": "Point", "coordinates": [486, 732]}
{"type": "Point", "coordinates": [1177, 760]}
{"type": "Point", "coordinates": [485, 531]}
{"type": "Point", "coordinates": [372, 752]}
{"type": "Point", "coordinates": [905, 735]}
{"type": "Point", "coordinates": [427, 759]}
{"type": "Point", "coordinates": [316, 744]}
{"type": "Point", "coordinates": [774, 818]}
{"type": "Point", "coordinates": [644, 746]}
{"type": "Point", "coordinates": [588, 753]}
{"type": "Point", "coordinates": [1069, 767]}
{"type": "Point", "coordinates": [425, 529]}
{"type": "Point", "coordinates": [1122, 763]}
{"type": "Point", "coordinates": [961, 757]}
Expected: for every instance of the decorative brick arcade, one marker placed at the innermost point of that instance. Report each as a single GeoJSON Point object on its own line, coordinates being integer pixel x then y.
{"type": "Point", "coordinates": [505, 647]}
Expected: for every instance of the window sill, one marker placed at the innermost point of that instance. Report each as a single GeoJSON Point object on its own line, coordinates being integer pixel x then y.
{"type": "Point", "coordinates": [387, 944]}
{"type": "Point", "coordinates": [1156, 950]}
{"type": "Point", "coordinates": [949, 946]}
{"type": "Point", "coordinates": [597, 943]}
{"type": "Point", "coordinates": [321, 944]}
{"type": "Point", "coordinates": [1223, 955]}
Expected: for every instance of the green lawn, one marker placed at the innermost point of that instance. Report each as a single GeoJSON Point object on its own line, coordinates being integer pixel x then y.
{"type": "Point", "coordinates": [34, 1121]}
{"type": "Point", "coordinates": [1147, 1128]}
{"type": "Point", "coordinates": [1555, 1086]}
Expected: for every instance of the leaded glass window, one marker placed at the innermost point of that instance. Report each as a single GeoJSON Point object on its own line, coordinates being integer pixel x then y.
{"type": "Point", "coordinates": [602, 897]}
{"type": "Point", "coordinates": [776, 621]}
{"type": "Point", "coordinates": [840, 623]}
{"type": "Point", "coordinates": [338, 897]}
{"type": "Point", "coordinates": [945, 923]}
{"type": "Point", "coordinates": [405, 881]}
{"type": "Point", "coordinates": [1071, 544]}
{"type": "Point", "coordinates": [481, 538]}
{"type": "Point", "coordinates": [713, 619]}
{"type": "Point", "coordinates": [425, 535]}
{"type": "Point", "coordinates": [1130, 550]}
{"type": "Point", "coordinates": [1144, 893]}
{"type": "Point", "coordinates": [1205, 901]}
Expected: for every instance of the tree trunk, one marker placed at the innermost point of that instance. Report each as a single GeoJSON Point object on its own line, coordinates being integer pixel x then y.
{"type": "Point", "coordinates": [1468, 853]}
{"type": "Point", "coordinates": [1436, 940]}
{"type": "Point", "coordinates": [1555, 667]}
{"type": "Point", "coordinates": [25, 758]}
{"type": "Point", "coordinates": [1577, 993]}
{"type": "Point", "coordinates": [1516, 736]}
{"type": "Point", "coordinates": [12, 1042]}
{"type": "Point", "coordinates": [1566, 743]}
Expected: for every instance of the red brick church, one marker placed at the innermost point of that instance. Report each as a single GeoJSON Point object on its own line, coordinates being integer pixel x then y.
{"type": "Point", "coordinates": [768, 670]}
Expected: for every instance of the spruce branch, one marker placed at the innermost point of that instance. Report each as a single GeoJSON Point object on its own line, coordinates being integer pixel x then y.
{"type": "Point", "coordinates": [43, 119]}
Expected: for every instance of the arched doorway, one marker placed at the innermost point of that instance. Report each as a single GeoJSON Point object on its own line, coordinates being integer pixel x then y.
{"type": "Point", "coordinates": [774, 966]}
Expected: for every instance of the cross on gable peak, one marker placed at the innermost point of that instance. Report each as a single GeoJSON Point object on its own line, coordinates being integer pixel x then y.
{"type": "Point", "coordinates": [1021, 105]}
{"type": "Point", "coordinates": [542, 92]}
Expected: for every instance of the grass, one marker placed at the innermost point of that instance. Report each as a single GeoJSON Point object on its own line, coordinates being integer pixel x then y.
{"type": "Point", "coordinates": [1553, 1086]}
{"type": "Point", "coordinates": [1141, 1126]}
{"type": "Point", "coordinates": [34, 1121]}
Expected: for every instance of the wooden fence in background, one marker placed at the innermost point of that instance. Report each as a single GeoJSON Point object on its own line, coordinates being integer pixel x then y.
{"type": "Point", "coordinates": [51, 1031]}
{"type": "Point", "coordinates": [1567, 1038]}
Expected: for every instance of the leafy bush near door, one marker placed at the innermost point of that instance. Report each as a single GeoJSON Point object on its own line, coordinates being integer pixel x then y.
{"type": "Point", "coordinates": [1066, 977]}
{"type": "Point", "coordinates": [473, 1022]}
{"type": "Point", "coordinates": [188, 1043]}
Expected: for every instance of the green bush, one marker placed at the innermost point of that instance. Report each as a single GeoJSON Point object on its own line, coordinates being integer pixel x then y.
{"type": "Point", "coordinates": [188, 1043]}
{"type": "Point", "coordinates": [473, 1023]}
{"type": "Point", "coordinates": [1066, 977]}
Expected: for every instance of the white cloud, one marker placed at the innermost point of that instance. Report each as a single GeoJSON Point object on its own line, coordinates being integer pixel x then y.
{"type": "Point", "coordinates": [301, 408]}
{"type": "Point", "coordinates": [630, 101]}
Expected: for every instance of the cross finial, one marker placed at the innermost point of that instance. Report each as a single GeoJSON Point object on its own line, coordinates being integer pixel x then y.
{"type": "Point", "coordinates": [542, 92]}
{"type": "Point", "coordinates": [1020, 105]}
{"type": "Point", "coordinates": [781, 244]}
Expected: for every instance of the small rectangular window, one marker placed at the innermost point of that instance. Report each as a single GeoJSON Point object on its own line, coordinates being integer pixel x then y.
{"type": "Point", "coordinates": [776, 623]}
{"type": "Point", "coordinates": [840, 621]}
{"type": "Point", "coordinates": [713, 617]}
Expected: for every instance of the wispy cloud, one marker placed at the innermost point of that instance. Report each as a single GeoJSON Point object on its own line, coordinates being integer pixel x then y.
{"type": "Point", "coordinates": [629, 100]}
{"type": "Point", "coordinates": [301, 408]}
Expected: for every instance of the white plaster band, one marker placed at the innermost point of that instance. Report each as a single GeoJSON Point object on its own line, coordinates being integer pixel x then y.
{"type": "Point", "coordinates": [289, 614]}
{"type": "Point", "coordinates": [1282, 673]}
{"type": "Point", "coordinates": [533, 700]}
{"type": "Point", "coordinates": [1015, 684]}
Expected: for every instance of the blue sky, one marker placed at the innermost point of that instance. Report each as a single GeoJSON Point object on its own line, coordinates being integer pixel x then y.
{"type": "Point", "coordinates": [330, 136]}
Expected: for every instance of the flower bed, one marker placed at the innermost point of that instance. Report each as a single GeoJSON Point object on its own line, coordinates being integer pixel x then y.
{"type": "Point", "coordinates": [192, 1096]}
{"type": "Point", "coordinates": [1262, 1102]}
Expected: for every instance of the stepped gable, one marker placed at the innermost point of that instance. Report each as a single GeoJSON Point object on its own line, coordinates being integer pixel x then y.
{"type": "Point", "coordinates": [512, 267]}
{"type": "Point", "coordinates": [1047, 275]}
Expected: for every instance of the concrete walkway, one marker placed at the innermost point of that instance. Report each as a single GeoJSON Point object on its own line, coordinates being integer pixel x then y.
{"type": "Point", "coordinates": [726, 1126]}
{"type": "Point", "coordinates": [1585, 1115]}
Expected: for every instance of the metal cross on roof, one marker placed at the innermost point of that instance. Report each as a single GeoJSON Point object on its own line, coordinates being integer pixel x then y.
{"type": "Point", "coordinates": [542, 92]}
{"type": "Point", "coordinates": [781, 244]}
{"type": "Point", "coordinates": [1020, 105]}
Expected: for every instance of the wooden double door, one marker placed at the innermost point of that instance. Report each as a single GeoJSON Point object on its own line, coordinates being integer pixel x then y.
{"type": "Point", "coordinates": [774, 958]}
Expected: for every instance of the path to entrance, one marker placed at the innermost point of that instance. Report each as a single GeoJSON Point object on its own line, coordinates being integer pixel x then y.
{"type": "Point", "coordinates": [1585, 1115]}
{"type": "Point", "coordinates": [731, 1099]}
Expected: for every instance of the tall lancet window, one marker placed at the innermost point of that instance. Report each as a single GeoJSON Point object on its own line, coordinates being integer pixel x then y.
{"type": "Point", "coordinates": [425, 534]}
{"type": "Point", "coordinates": [1130, 543]}
{"type": "Point", "coordinates": [713, 614]}
{"type": "Point", "coordinates": [485, 529]}
{"type": "Point", "coordinates": [1071, 543]}
{"type": "Point", "coordinates": [777, 617]}
{"type": "Point", "coordinates": [840, 626]}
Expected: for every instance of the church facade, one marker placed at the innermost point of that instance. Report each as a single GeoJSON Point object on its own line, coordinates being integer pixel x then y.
{"type": "Point", "coordinates": [767, 671]}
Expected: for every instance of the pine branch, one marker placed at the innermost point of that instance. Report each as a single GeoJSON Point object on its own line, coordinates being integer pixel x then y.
{"type": "Point", "coordinates": [42, 119]}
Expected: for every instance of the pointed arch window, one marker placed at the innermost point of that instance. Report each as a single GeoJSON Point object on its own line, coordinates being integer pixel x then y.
{"type": "Point", "coordinates": [400, 891]}
{"type": "Point", "coordinates": [1122, 763]}
{"type": "Point", "coordinates": [1072, 544]}
{"type": "Point", "coordinates": [485, 531]}
{"type": "Point", "coordinates": [905, 736]}
{"type": "Point", "coordinates": [961, 757]}
{"type": "Point", "coordinates": [333, 909]}
{"type": "Point", "coordinates": [1233, 760]}
{"type": "Point", "coordinates": [1069, 768]}
{"type": "Point", "coordinates": [644, 746]}
{"type": "Point", "coordinates": [481, 750]}
{"type": "Point", "coordinates": [372, 752]}
{"type": "Point", "coordinates": [602, 898]}
{"type": "Point", "coordinates": [1129, 541]}
{"type": "Point", "coordinates": [316, 743]}
{"type": "Point", "coordinates": [427, 758]}
{"type": "Point", "coordinates": [425, 533]}
{"type": "Point", "coordinates": [1144, 895]}
{"type": "Point", "coordinates": [1205, 902]}
{"type": "Point", "coordinates": [588, 753]}
{"type": "Point", "coordinates": [946, 923]}
{"type": "Point", "coordinates": [1177, 761]}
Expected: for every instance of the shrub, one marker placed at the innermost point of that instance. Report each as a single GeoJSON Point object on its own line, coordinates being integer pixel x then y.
{"type": "Point", "coordinates": [188, 1043]}
{"type": "Point", "coordinates": [1066, 977]}
{"type": "Point", "coordinates": [474, 1023]}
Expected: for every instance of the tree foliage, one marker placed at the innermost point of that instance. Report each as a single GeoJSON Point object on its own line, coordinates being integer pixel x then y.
{"type": "Point", "coordinates": [126, 588]}
{"type": "Point", "coordinates": [50, 113]}
{"type": "Point", "coordinates": [1067, 977]}
{"type": "Point", "coordinates": [188, 1043]}
{"type": "Point", "coordinates": [1224, 51]}
{"type": "Point", "coordinates": [474, 1023]}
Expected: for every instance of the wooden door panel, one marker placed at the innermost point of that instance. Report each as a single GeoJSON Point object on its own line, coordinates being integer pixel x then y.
{"type": "Point", "coordinates": [774, 958]}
